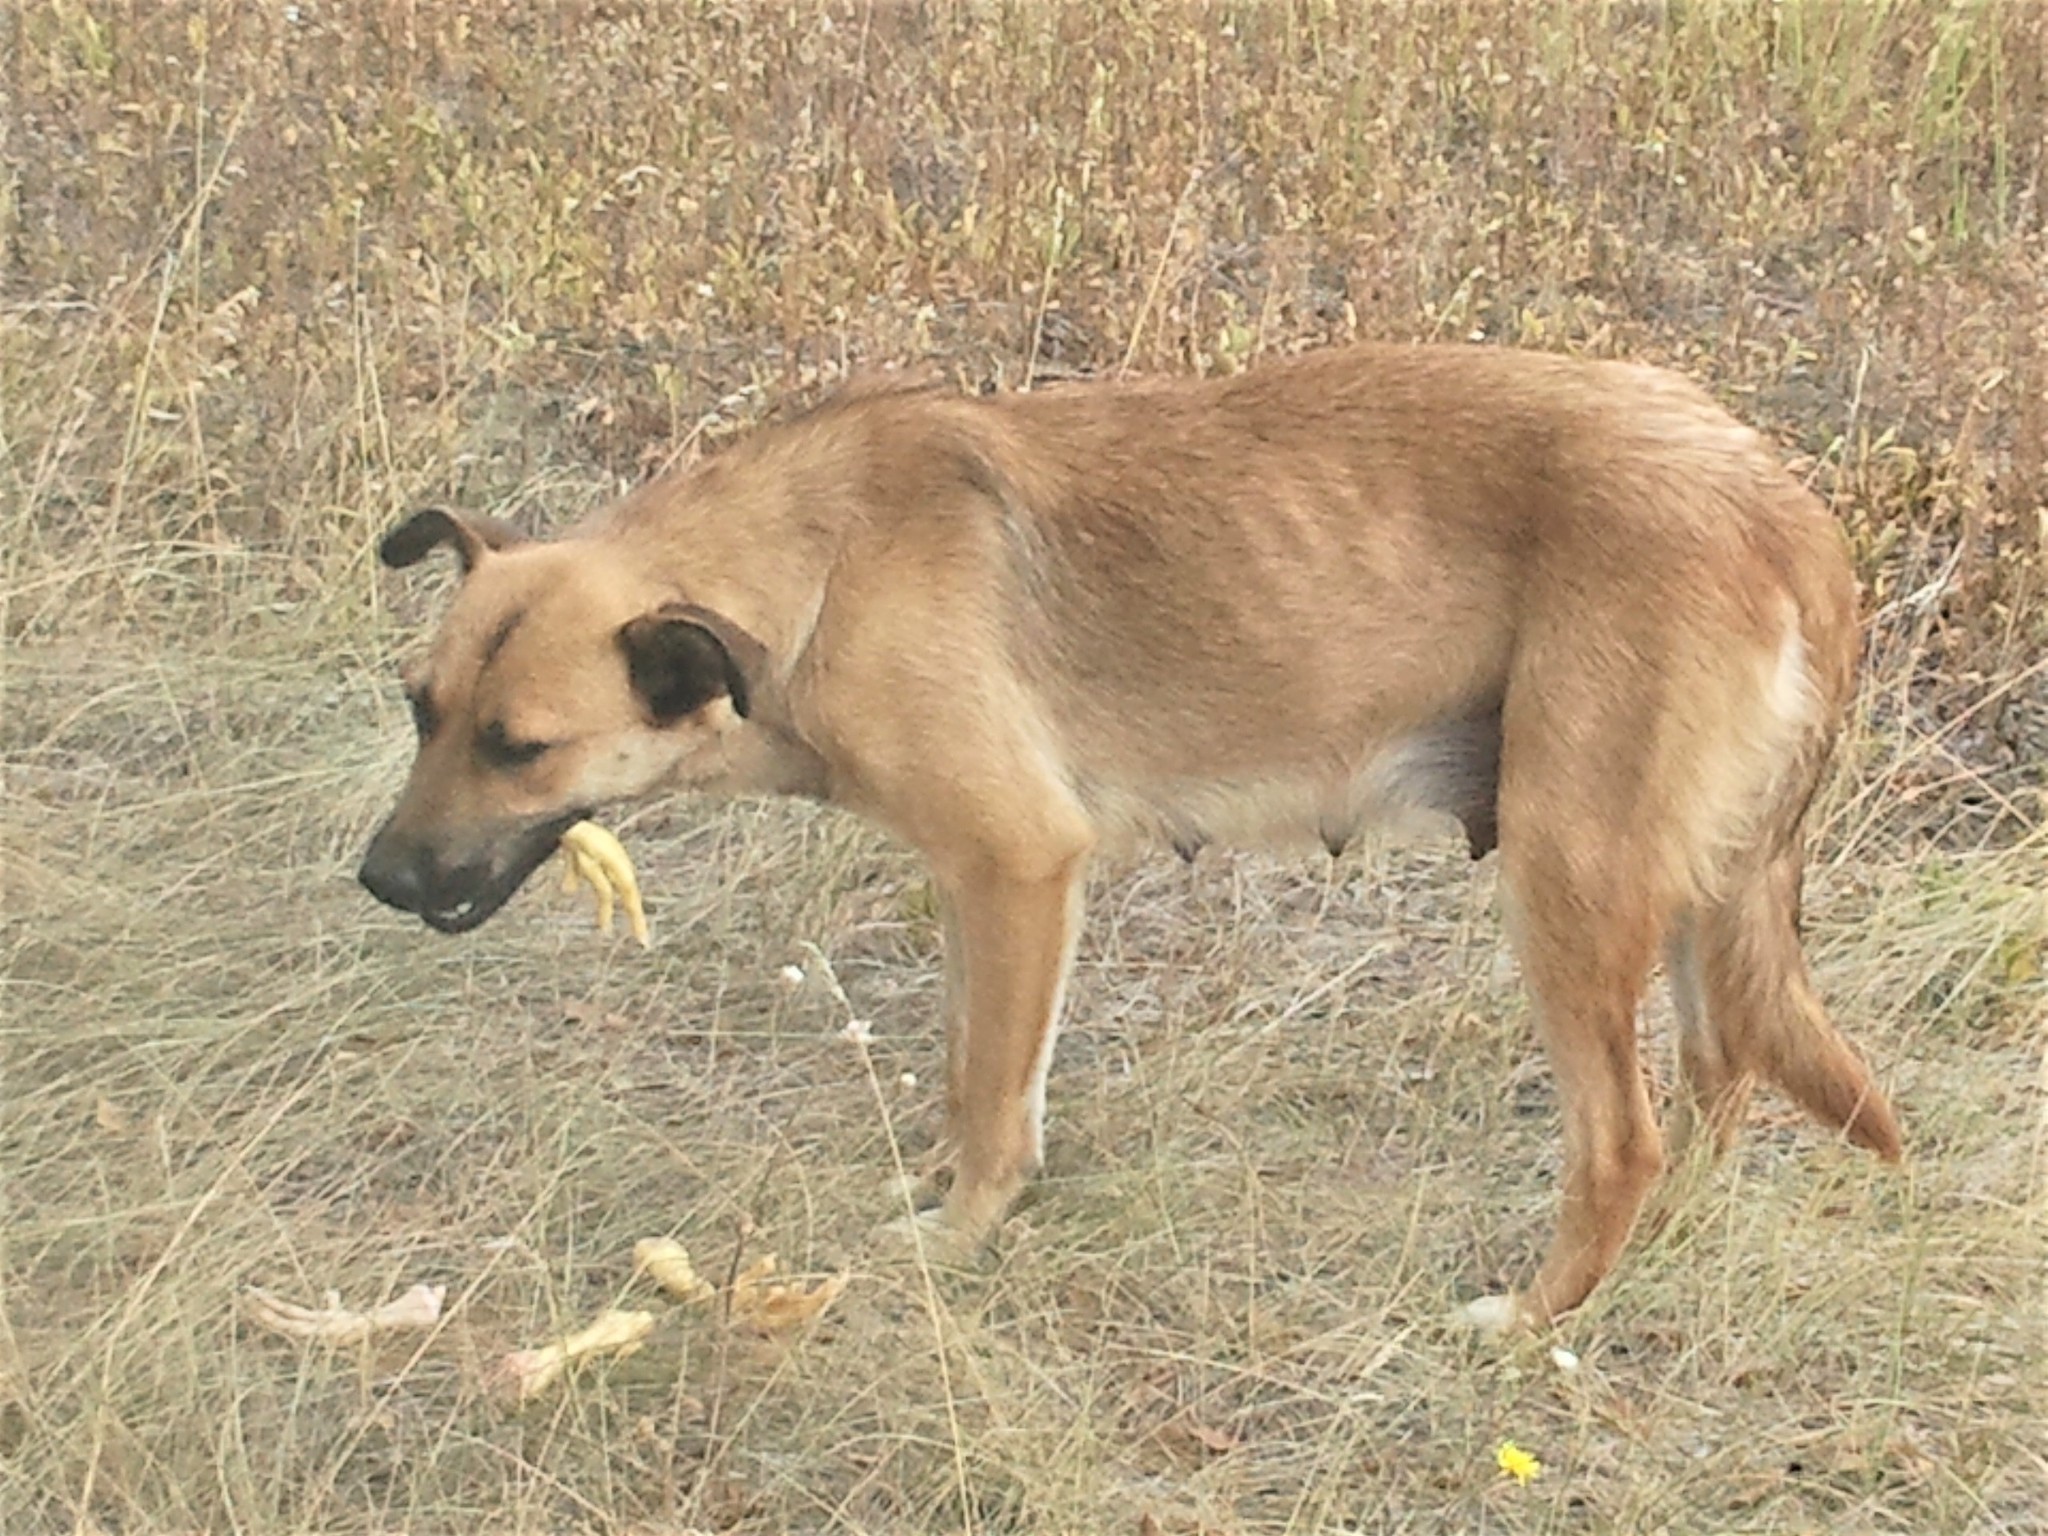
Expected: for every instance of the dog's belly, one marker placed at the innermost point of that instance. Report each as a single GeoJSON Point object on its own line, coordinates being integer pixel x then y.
{"type": "Point", "coordinates": [1451, 767]}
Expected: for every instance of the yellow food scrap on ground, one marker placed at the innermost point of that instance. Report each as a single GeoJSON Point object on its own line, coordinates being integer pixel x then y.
{"type": "Point", "coordinates": [526, 1373]}
{"type": "Point", "coordinates": [592, 856]}
{"type": "Point", "coordinates": [667, 1263]}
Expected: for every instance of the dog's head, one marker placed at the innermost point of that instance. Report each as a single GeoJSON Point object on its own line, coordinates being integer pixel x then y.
{"type": "Point", "coordinates": [563, 678]}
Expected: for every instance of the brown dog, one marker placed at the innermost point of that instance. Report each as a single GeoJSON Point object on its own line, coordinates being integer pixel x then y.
{"type": "Point", "coordinates": [1574, 605]}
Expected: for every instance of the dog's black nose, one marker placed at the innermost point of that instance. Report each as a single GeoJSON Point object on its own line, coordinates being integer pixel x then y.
{"type": "Point", "coordinates": [393, 877]}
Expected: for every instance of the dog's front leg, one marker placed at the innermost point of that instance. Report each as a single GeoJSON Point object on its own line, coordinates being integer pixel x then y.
{"type": "Point", "coordinates": [1011, 944]}
{"type": "Point", "coordinates": [953, 1006]}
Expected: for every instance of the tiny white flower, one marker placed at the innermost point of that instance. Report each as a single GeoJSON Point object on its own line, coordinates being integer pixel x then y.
{"type": "Point", "coordinates": [1564, 1359]}
{"type": "Point", "coordinates": [859, 1031]}
{"type": "Point", "coordinates": [790, 977]}
{"type": "Point", "coordinates": [907, 1080]}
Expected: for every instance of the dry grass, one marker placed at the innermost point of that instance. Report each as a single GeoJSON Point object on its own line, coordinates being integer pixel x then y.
{"type": "Point", "coordinates": [273, 274]}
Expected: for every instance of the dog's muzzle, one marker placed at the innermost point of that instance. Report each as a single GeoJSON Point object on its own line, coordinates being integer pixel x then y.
{"type": "Point", "coordinates": [409, 873]}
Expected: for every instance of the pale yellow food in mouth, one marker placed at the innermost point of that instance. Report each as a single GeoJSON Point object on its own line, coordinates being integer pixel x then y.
{"type": "Point", "coordinates": [592, 856]}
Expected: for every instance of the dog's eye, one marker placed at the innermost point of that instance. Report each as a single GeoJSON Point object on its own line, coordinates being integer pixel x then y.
{"type": "Point", "coordinates": [424, 718]}
{"type": "Point", "coordinates": [501, 751]}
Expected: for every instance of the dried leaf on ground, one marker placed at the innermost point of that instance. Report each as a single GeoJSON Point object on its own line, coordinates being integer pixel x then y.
{"type": "Point", "coordinates": [770, 1306]}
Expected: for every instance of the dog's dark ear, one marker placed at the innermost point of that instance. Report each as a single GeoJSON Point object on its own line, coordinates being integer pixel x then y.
{"type": "Point", "coordinates": [470, 534]}
{"type": "Point", "coordinates": [681, 657]}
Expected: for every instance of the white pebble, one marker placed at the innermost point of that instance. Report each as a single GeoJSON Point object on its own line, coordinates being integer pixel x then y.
{"type": "Point", "coordinates": [1564, 1359]}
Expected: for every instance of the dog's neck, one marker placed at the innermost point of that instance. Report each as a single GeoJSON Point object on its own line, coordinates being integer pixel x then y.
{"type": "Point", "coordinates": [700, 534]}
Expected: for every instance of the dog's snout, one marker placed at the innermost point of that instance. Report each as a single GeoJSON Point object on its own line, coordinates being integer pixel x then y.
{"type": "Point", "coordinates": [395, 875]}
{"type": "Point", "coordinates": [452, 886]}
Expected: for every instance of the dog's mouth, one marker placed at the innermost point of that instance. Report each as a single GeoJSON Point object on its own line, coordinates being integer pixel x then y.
{"type": "Point", "coordinates": [479, 904]}
{"type": "Point", "coordinates": [460, 919]}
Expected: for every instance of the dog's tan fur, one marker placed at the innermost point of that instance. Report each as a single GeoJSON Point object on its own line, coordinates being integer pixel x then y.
{"type": "Point", "coordinates": [1574, 605]}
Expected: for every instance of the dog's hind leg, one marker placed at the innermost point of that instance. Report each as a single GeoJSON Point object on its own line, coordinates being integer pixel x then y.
{"type": "Point", "coordinates": [1587, 935]}
{"type": "Point", "coordinates": [1714, 1086]}
{"type": "Point", "coordinates": [1591, 826]}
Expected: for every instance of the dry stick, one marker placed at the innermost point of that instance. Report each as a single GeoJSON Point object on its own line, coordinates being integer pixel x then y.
{"type": "Point", "coordinates": [924, 1268]}
{"type": "Point", "coordinates": [1046, 278]}
{"type": "Point", "coordinates": [1870, 795]}
{"type": "Point", "coordinates": [148, 1282]}
{"type": "Point", "coordinates": [930, 1291]}
{"type": "Point", "coordinates": [743, 1228]}
{"type": "Point", "coordinates": [373, 420]}
{"type": "Point", "coordinates": [1847, 440]}
{"type": "Point", "coordinates": [192, 218]}
{"type": "Point", "coordinates": [714, 1420]}
{"type": "Point", "coordinates": [331, 1474]}
{"type": "Point", "coordinates": [715, 1458]}
{"type": "Point", "coordinates": [2040, 1200]}
{"type": "Point", "coordinates": [1159, 269]}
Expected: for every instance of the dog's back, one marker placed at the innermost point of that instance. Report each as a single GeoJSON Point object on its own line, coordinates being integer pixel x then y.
{"type": "Point", "coordinates": [1275, 604]}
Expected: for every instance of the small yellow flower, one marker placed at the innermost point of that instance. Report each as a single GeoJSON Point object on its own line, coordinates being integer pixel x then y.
{"type": "Point", "coordinates": [1518, 1463]}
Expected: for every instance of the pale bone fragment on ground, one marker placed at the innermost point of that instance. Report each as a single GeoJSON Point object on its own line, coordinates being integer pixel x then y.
{"type": "Point", "coordinates": [418, 1309]}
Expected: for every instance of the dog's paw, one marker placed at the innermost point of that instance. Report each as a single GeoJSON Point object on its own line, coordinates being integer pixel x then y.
{"type": "Point", "coordinates": [928, 1237]}
{"type": "Point", "coordinates": [1496, 1317]}
{"type": "Point", "coordinates": [918, 1189]}
{"type": "Point", "coordinates": [907, 1189]}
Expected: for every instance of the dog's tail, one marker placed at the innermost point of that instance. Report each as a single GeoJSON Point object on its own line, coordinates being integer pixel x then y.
{"type": "Point", "coordinates": [1746, 1002]}
{"type": "Point", "coordinates": [1748, 1009]}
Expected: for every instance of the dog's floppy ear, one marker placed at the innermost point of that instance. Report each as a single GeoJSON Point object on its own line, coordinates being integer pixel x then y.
{"type": "Point", "coordinates": [680, 657]}
{"type": "Point", "coordinates": [425, 531]}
